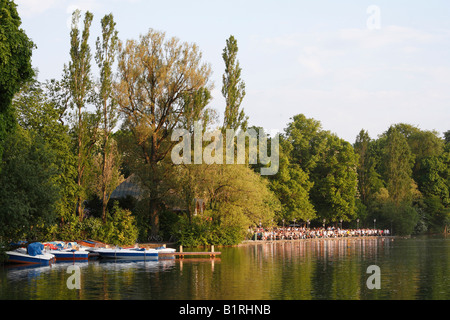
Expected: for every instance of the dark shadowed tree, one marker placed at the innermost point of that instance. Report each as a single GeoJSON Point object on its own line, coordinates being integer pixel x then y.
{"type": "Point", "coordinates": [15, 64]}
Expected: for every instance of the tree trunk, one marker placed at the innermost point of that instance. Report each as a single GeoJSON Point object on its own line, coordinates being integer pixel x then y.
{"type": "Point", "coordinates": [154, 218]}
{"type": "Point", "coordinates": [104, 168]}
{"type": "Point", "coordinates": [154, 214]}
{"type": "Point", "coordinates": [80, 126]}
{"type": "Point", "coordinates": [104, 205]}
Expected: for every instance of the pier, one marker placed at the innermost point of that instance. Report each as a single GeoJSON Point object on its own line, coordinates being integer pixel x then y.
{"type": "Point", "coordinates": [181, 254]}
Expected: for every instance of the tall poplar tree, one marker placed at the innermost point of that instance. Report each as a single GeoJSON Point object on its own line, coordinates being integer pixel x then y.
{"type": "Point", "coordinates": [369, 181]}
{"type": "Point", "coordinates": [80, 86]}
{"type": "Point", "coordinates": [233, 88]}
{"type": "Point", "coordinates": [107, 48]}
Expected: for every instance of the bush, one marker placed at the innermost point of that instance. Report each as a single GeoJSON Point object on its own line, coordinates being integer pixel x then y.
{"type": "Point", "coordinates": [403, 218]}
{"type": "Point", "coordinates": [203, 232]}
{"type": "Point", "coordinates": [226, 236]}
{"type": "Point", "coordinates": [120, 228]}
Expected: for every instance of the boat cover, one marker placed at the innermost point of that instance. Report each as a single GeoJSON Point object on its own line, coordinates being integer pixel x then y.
{"type": "Point", "coordinates": [35, 249]}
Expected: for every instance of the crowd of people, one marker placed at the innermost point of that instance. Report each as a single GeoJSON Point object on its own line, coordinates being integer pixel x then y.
{"type": "Point", "coordinates": [296, 233]}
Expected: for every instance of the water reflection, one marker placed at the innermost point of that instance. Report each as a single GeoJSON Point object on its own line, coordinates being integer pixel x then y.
{"type": "Point", "coordinates": [20, 272]}
{"type": "Point", "coordinates": [330, 269]}
{"type": "Point", "coordinates": [120, 265]}
{"type": "Point", "coordinates": [212, 261]}
{"type": "Point", "coordinates": [291, 270]}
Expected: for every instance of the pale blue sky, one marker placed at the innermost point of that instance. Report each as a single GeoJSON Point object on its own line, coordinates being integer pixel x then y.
{"type": "Point", "coordinates": [318, 58]}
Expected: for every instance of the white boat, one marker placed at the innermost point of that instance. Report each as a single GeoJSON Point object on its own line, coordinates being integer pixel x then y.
{"type": "Point", "coordinates": [66, 251]}
{"type": "Point", "coordinates": [165, 250]}
{"type": "Point", "coordinates": [135, 254]}
{"type": "Point", "coordinates": [32, 255]}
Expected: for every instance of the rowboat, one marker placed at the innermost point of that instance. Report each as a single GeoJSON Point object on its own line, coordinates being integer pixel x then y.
{"type": "Point", "coordinates": [31, 255]}
{"type": "Point", "coordinates": [135, 254]}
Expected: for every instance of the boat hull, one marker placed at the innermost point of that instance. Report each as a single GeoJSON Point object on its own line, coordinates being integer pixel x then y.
{"type": "Point", "coordinates": [21, 258]}
{"type": "Point", "coordinates": [91, 244]}
{"type": "Point", "coordinates": [70, 255]}
{"type": "Point", "coordinates": [166, 250]}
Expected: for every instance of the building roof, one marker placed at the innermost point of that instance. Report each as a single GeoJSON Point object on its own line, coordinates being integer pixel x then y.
{"type": "Point", "coordinates": [127, 188]}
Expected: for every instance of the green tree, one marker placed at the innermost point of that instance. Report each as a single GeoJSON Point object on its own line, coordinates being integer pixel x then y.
{"type": "Point", "coordinates": [233, 88]}
{"type": "Point", "coordinates": [447, 137]}
{"type": "Point", "coordinates": [27, 185]}
{"type": "Point", "coordinates": [331, 165]}
{"type": "Point", "coordinates": [422, 144]}
{"type": "Point", "coordinates": [106, 53]}
{"type": "Point", "coordinates": [79, 80]}
{"type": "Point", "coordinates": [195, 109]}
{"type": "Point", "coordinates": [307, 141]}
{"type": "Point", "coordinates": [103, 175]}
{"type": "Point", "coordinates": [41, 116]}
{"type": "Point", "coordinates": [335, 180]}
{"type": "Point", "coordinates": [397, 166]}
{"type": "Point", "coordinates": [369, 181]}
{"type": "Point", "coordinates": [402, 217]}
{"type": "Point", "coordinates": [155, 75]}
{"type": "Point", "coordinates": [394, 203]}
{"type": "Point", "coordinates": [291, 185]}
{"type": "Point", "coordinates": [433, 182]}
{"type": "Point", "coordinates": [434, 177]}
{"type": "Point", "coordinates": [15, 64]}
{"type": "Point", "coordinates": [238, 196]}
{"type": "Point", "coordinates": [188, 178]}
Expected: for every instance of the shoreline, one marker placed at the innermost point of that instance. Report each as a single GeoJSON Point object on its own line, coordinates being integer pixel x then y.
{"type": "Point", "coordinates": [255, 242]}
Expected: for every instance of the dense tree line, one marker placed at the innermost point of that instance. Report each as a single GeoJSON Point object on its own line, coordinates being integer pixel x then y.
{"type": "Point", "coordinates": [398, 181]}
{"type": "Point", "coordinates": [67, 143]}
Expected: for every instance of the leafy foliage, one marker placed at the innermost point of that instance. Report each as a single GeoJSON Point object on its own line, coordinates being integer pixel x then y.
{"type": "Point", "coordinates": [329, 165]}
{"type": "Point", "coordinates": [27, 185]}
{"type": "Point", "coordinates": [202, 231]}
{"type": "Point", "coordinates": [292, 187]}
{"type": "Point", "coordinates": [233, 88]}
{"type": "Point", "coordinates": [38, 114]}
{"type": "Point", "coordinates": [15, 64]}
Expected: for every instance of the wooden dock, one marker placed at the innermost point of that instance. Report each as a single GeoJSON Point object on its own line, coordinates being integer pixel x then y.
{"type": "Point", "coordinates": [181, 254]}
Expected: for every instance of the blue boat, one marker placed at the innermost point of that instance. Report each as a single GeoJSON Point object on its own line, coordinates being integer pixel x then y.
{"type": "Point", "coordinates": [33, 254]}
{"type": "Point", "coordinates": [134, 254]}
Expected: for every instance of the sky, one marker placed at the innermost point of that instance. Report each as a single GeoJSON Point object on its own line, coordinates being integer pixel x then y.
{"type": "Point", "coordinates": [351, 64]}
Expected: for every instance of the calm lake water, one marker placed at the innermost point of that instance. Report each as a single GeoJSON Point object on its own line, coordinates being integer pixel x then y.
{"type": "Point", "coordinates": [412, 269]}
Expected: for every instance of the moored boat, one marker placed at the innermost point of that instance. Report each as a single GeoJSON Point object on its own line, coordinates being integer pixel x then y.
{"type": "Point", "coordinates": [92, 244]}
{"type": "Point", "coordinates": [33, 254]}
{"type": "Point", "coordinates": [135, 254]}
{"type": "Point", "coordinates": [165, 250]}
{"type": "Point", "coordinates": [70, 255]}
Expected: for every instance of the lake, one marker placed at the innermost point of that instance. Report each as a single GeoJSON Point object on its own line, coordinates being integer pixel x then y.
{"type": "Point", "coordinates": [405, 269]}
